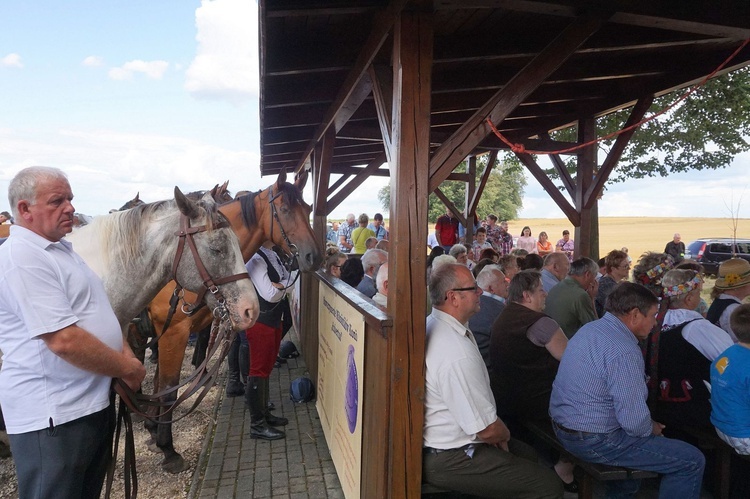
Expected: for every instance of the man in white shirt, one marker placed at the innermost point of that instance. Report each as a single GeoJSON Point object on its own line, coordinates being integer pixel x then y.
{"type": "Point", "coordinates": [62, 346]}
{"type": "Point", "coordinates": [466, 447]}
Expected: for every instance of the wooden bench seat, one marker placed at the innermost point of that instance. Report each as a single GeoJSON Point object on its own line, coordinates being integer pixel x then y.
{"type": "Point", "coordinates": [588, 472]}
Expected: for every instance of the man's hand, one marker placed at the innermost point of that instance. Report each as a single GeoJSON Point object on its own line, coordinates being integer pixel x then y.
{"type": "Point", "coordinates": [135, 374]}
{"type": "Point", "coordinates": [496, 434]}
{"type": "Point", "coordinates": [656, 428]}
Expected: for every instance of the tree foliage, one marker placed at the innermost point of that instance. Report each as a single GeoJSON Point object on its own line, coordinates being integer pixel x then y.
{"type": "Point", "coordinates": [503, 194]}
{"type": "Point", "coordinates": [704, 132]}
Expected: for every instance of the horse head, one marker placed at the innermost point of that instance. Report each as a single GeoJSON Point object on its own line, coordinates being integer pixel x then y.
{"type": "Point", "coordinates": [288, 225]}
{"type": "Point", "coordinates": [136, 201]}
{"type": "Point", "coordinates": [218, 252]}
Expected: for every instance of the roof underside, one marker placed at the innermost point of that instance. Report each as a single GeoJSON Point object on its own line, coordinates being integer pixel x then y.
{"type": "Point", "coordinates": [310, 52]}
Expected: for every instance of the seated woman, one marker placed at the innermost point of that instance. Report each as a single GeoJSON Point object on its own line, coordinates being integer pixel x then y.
{"type": "Point", "coordinates": [543, 245]}
{"type": "Point", "coordinates": [334, 261]}
{"type": "Point", "coordinates": [527, 242]}
{"type": "Point", "coordinates": [525, 351]}
{"type": "Point", "coordinates": [687, 346]}
{"type": "Point", "coordinates": [352, 272]}
{"type": "Point", "coordinates": [616, 267]}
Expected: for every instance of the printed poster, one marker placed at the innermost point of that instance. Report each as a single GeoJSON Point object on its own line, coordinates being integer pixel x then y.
{"type": "Point", "coordinates": [340, 368]}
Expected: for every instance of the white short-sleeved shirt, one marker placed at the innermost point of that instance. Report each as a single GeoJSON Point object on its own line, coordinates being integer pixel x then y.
{"type": "Point", "coordinates": [45, 287]}
{"type": "Point", "coordinates": [458, 399]}
{"type": "Point", "coordinates": [708, 339]}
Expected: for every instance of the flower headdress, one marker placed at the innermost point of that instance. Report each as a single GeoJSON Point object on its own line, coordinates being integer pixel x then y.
{"type": "Point", "coordinates": [685, 287]}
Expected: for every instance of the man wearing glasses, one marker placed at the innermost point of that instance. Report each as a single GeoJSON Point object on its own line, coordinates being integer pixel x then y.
{"type": "Point", "coordinates": [466, 447]}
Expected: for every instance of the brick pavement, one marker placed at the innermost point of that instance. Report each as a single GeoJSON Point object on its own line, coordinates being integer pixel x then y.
{"type": "Point", "coordinates": [234, 465]}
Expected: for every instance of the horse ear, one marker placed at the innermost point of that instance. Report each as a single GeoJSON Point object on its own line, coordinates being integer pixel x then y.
{"type": "Point", "coordinates": [215, 191]}
{"type": "Point", "coordinates": [301, 180]}
{"type": "Point", "coordinates": [186, 207]}
{"type": "Point", "coordinates": [137, 198]}
{"type": "Point", "coordinates": [281, 180]}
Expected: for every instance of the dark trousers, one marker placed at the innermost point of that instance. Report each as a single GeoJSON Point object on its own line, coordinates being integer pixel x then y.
{"type": "Point", "coordinates": [492, 472]}
{"type": "Point", "coordinates": [65, 461]}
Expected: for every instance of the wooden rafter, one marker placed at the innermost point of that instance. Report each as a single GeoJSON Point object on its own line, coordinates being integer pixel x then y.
{"type": "Point", "coordinates": [505, 101]}
{"type": "Point", "coordinates": [551, 188]}
{"type": "Point", "coordinates": [639, 110]}
{"type": "Point", "coordinates": [382, 93]}
{"type": "Point", "coordinates": [381, 28]}
{"type": "Point", "coordinates": [324, 153]}
{"type": "Point", "coordinates": [483, 182]}
{"type": "Point", "coordinates": [344, 193]}
{"type": "Point", "coordinates": [452, 207]}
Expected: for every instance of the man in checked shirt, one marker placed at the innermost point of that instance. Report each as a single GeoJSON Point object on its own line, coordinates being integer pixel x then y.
{"type": "Point", "coordinates": [598, 403]}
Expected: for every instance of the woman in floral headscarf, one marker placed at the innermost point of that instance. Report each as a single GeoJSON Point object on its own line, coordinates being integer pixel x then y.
{"type": "Point", "coordinates": [649, 272]}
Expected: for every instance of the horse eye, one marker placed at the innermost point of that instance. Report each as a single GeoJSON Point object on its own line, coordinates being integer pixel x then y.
{"type": "Point", "coordinates": [215, 250]}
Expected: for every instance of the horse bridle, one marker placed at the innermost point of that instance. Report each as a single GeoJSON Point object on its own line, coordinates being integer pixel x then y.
{"type": "Point", "coordinates": [186, 233]}
{"type": "Point", "coordinates": [275, 216]}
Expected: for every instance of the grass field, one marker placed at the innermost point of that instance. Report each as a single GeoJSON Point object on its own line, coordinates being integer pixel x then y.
{"type": "Point", "coordinates": [639, 234]}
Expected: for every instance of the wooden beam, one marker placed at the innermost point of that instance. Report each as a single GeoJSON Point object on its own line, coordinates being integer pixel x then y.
{"type": "Point", "coordinates": [584, 179]}
{"type": "Point", "coordinates": [361, 91]}
{"type": "Point", "coordinates": [412, 73]}
{"type": "Point", "coordinates": [382, 93]}
{"type": "Point", "coordinates": [322, 170]}
{"type": "Point", "coordinates": [381, 28]}
{"type": "Point", "coordinates": [505, 101]}
{"type": "Point", "coordinates": [609, 164]}
{"type": "Point", "coordinates": [344, 193]}
{"type": "Point", "coordinates": [483, 182]}
{"type": "Point", "coordinates": [563, 173]}
{"type": "Point", "coordinates": [338, 183]}
{"type": "Point", "coordinates": [449, 204]}
{"type": "Point", "coordinates": [356, 170]}
{"type": "Point", "coordinates": [551, 188]}
{"type": "Point", "coordinates": [460, 177]}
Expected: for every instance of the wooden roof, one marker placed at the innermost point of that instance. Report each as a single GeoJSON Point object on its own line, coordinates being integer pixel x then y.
{"type": "Point", "coordinates": [319, 58]}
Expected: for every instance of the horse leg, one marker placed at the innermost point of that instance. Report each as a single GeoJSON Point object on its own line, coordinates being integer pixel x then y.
{"type": "Point", "coordinates": [149, 423]}
{"type": "Point", "coordinates": [171, 355]}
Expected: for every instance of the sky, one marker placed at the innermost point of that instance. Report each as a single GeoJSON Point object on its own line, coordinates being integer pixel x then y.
{"type": "Point", "coordinates": [140, 96]}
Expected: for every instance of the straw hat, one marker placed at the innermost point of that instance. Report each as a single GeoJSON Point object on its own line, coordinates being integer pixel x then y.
{"type": "Point", "coordinates": [733, 274]}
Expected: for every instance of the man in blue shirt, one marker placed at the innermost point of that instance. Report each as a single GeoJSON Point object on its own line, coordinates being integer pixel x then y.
{"type": "Point", "coordinates": [598, 403]}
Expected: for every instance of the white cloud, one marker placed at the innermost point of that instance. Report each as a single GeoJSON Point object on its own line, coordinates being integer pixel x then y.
{"type": "Point", "coordinates": [92, 61]}
{"type": "Point", "coordinates": [11, 61]}
{"type": "Point", "coordinates": [153, 69]}
{"type": "Point", "coordinates": [226, 62]}
{"type": "Point", "coordinates": [106, 168]}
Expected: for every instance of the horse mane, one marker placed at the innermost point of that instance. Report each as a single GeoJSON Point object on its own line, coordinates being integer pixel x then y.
{"type": "Point", "coordinates": [291, 196]}
{"type": "Point", "coordinates": [121, 232]}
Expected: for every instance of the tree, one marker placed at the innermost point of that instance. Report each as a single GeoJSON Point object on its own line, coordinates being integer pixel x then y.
{"type": "Point", "coordinates": [704, 132]}
{"type": "Point", "coordinates": [503, 194]}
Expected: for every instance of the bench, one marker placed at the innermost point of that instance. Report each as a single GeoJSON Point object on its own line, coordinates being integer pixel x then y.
{"type": "Point", "coordinates": [588, 472]}
{"type": "Point", "coordinates": [707, 440]}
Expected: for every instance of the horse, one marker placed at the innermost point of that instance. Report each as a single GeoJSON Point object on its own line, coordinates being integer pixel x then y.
{"type": "Point", "coordinates": [141, 246]}
{"type": "Point", "coordinates": [277, 213]}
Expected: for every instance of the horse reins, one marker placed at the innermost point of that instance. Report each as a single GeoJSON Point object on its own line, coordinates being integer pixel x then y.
{"type": "Point", "coordinates": [201, 378]}
{"type": "Point", "coordinates": [294, 251]}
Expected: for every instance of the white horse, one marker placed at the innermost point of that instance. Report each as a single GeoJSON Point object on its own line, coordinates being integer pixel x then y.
{"type": "Point", "coordinates": [134, 251]}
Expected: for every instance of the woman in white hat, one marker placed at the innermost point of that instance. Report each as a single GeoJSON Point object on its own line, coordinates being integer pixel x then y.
{"type": "Point", "coordinates": [731, 287]}
{"type": "Point", "coordinates": [687, 345]}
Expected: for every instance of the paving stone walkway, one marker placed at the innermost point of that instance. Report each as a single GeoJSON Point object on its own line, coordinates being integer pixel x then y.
{"type": "Point", "coordinates": [234, 465]}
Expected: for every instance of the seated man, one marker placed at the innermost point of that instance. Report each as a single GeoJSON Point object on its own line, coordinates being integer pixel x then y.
{"type": "Point", "coordinates": [466, 447]}
{"type": "Point", "coordinates": [371, 262]}
{"type": "Point", "coordinates": [494, 292]}
{"type": "Point", "coordinates": [381, 297]}
{"type": "Point", "coordinates": [556, 266]}
{"type": "Point", "coordinates": [598, 402]}
{"type": "Point", "coordinates": [570, 302]}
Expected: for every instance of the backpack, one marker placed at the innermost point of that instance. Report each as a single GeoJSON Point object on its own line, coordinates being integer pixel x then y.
{"type": "Point", "coordinates": [288, 350]}
{"type": "Point", "coordinates": [301, 390]}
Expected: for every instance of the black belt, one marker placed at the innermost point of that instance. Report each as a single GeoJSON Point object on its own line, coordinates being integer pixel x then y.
{"type": "Point", "coordinates": [569, 431]}
{"type": "Point", "coordinates": [432, 450]}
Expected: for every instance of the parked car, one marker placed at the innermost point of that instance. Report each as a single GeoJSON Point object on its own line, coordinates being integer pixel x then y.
{"type": "Point", "coordinates": [711, 252]}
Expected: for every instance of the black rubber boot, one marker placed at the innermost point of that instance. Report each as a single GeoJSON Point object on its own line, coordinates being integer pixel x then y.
{"type": "Point", "coordinates": [234, 386]}
{"type": "Point", "coordinates": [258, 427]}
{"type": "Point", "coordinates": [244, 360]}
{"type": "Point", "coordinates": [270, 418]}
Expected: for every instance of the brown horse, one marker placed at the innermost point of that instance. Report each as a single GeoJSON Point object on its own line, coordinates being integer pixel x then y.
{"type": "Point", "coordinates": [277, 213]}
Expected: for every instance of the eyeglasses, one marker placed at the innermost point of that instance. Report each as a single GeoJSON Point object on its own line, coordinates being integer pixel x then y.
{"type": "Point", "coordinates": [474, 288]}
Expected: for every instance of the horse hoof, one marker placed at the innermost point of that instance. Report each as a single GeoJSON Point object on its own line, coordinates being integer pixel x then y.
{"type": "Point", "coordinates": [174, 465]}
{"type": "Point", "coordinates": [151, 444]}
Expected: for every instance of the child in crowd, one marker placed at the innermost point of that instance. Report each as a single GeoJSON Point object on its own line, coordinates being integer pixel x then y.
{"type": "Point", "coordinates": [730, 386]}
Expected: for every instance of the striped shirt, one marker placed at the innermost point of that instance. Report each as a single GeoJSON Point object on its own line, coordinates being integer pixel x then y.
{"type": "Point", "coordinates": [600, 385]}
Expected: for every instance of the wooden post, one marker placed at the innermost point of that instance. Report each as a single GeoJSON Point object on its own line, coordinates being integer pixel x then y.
{"type": "Point", "coordinates": [412, 71]}
{"type": "Point", "coordinates": [584, 179]}
{"type": "Point", "coordinates": [471, 188]}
